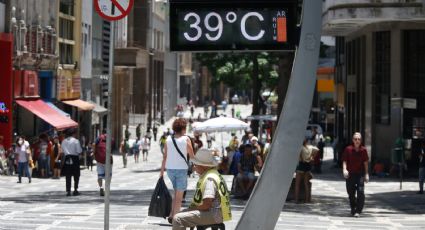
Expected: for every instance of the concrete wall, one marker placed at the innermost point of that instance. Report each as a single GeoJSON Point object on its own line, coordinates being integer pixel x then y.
{"type": "Point", "coordinates": [86, 38]}
{"type": "Point", "coordinates": [380, 138]}
{"type": "Point", "coordinates": [2, 17]}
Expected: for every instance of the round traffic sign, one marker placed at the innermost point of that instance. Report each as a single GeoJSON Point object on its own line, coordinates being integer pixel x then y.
{"type": "Point", "coordinates": [113, 9]}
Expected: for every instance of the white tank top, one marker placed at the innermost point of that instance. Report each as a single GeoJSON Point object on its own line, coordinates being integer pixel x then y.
{"type": "Point", "coordinates": [174, 159]}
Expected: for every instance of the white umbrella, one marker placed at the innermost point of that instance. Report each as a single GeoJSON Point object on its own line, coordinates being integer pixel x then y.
{"type": "Point", "coordinates": [221, 124]}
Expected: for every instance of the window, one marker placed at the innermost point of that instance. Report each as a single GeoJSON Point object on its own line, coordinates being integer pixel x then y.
{"type": "Point", "coordinates": [66, 29]}
{"type": "Point", "coordinates": [382, 77]}
{"type": "Point", "coordinates": [67, 7]}
{"type": "Point", "coordinates": [414, 56]}
{"type": "Point", "coordinates": [65, 53]}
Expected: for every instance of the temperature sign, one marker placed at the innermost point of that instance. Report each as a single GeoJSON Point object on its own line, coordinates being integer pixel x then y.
{"type": "Point", "coordinates": [227, 25]}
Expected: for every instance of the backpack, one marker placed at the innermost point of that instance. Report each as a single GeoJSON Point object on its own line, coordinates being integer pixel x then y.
{"type": "Point", "coordinates": [100, 155]}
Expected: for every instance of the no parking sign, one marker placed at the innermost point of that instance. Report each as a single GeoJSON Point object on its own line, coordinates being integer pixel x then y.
{"type": "Point", "coordinates": [113, 10]}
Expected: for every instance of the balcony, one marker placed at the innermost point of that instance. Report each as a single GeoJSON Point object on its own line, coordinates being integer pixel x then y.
{"type": "Point", "coordinates": [342, 17]}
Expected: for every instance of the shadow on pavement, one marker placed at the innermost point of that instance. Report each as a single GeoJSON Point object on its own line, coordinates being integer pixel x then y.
{"type": "Point", "coordinates": [147, 171]}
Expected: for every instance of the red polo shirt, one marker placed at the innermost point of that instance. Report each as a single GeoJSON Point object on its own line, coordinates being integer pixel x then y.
{"type": "Point", "coordinates": [355, 159]}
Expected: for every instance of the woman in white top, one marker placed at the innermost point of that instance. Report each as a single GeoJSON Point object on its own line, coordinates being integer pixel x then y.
{"type": "Point", "coordinates": [176, 164]}
{"type": "Point", "coordinates": [23, 154]}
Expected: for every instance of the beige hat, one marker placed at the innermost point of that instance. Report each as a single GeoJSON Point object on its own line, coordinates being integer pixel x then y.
{"type": "Point", "coordinates": [205, 157]}
{"type": "Point", "coordinates": [254, 138]}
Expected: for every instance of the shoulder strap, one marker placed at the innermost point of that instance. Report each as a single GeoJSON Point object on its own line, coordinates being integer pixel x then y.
{"type": "Point", "coordinates": [178, 150]}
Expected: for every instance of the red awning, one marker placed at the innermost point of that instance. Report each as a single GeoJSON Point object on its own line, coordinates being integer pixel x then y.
{"type": "Point", "coordinates": [42, 110]}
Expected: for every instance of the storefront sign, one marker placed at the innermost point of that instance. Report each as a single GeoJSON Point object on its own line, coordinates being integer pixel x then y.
{"type": "Point", "coordinates": [6, 92]}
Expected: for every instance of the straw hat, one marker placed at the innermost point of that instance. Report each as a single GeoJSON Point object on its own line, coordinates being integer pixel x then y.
{"type": "Point", "coordinates": [205, 157]}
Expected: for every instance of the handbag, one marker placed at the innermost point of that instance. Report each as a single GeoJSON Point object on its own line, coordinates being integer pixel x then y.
{"type": "Point", "coordinates": [189, 169]}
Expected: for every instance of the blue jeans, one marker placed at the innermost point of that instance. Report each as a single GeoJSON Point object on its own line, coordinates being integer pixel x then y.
{"type": "Point", "coordinates": [21, 167]}
{"type": "Point", "coordinates": [421, 178]}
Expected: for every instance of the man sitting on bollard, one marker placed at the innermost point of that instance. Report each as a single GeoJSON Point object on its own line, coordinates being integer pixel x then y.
{"type": "Point", "coordinates": [211, 202]}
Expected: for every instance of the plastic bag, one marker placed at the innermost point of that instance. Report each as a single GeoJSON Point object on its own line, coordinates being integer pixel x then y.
{"type": "Point", "coordinates": [160, 205]}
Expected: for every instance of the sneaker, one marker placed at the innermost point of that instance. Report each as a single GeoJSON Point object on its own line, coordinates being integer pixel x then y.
{"type": "Point", "coordinates": [357, 215]}
{"type": "Point", "coordinates": [102, 192]}
{"type": "Point", "coordinates": [76, 193]}
{"type": "Point", "coordinates": [29, 181]}
{"type": "Point", "coordinates": [420, 192]}
{"type": "Point", "coordinates": [68, 193]}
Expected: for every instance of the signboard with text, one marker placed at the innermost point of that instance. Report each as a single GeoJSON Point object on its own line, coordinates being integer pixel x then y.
{"type": "Point", "coordinates": [233, 25]}
{"type": "Point", "coordinates": [113, 10]}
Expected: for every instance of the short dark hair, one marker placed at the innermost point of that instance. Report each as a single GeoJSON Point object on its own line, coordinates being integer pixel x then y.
{"type": "Point", "coordinates": [179, 125]}
{"type": "Point", "coordinates": [104, 131]}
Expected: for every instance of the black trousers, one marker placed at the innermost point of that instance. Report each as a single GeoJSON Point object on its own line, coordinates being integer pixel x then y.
{"type": "Point", "coordinates": [68, 182]}
{"type": "Point", "coordinates": [72, 170]}
{"type": "Point", "coordinates": [355, 186]}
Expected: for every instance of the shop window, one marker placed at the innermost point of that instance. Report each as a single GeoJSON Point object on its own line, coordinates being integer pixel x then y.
{"type": "Point", "coordinates": [382, 77]}
{"type": "Point", "coordinates": [414, 56]}
{"type": "Point", "coordinates": [65, 53]}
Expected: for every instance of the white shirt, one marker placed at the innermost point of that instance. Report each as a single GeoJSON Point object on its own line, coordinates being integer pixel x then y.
{"type": "Point", "coordinates": [22, 152]}
{"type": "Point", "coordinates": [71, 146]}
{"type": "Point", "coordinates": [144, 143]}
{"type": "Point", "coordinates": [174, 159]}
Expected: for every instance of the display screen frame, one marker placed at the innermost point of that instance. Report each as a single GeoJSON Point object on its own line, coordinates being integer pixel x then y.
{"type": "Point", "coordinates": [220, 6]}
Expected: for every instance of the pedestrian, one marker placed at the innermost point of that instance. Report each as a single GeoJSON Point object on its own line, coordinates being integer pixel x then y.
{"type": "Point", "coordinates": [149, 134]}
{"type": "Point", "coordinates": [209, 140]}
{"type": "Point", "coordinates": [3, 159]}
{"type": "Point", "coordinates": [211, 203]}
{"type": "Point", "coordinates": [136, 150]}
{"type": "Point", "coordinates": [355, 170]}
{"type": "Point", "coordinates": [23, 156]}
{"type": "Point", "coordinates": [421, 168]}
{"type": "Point", "coordinates": [138, 132]}
{"type": "Point", "coordinates": [57, 156]}
{"type": "Point", "coordinates": [247, 165]}
{"type": "Point", "coordinates": [162, 141]}
{"type": "Point", "coordinates": [175, 161]}
{"type": "Point", "coordinates": [206, 110]}
{"type": "Point", "coordinates": [145, 146]}
{"type": "Point", "coordinates": [303, 171]}
{"type": "Point", "coordinates": [155, 132]}
{"type": "Point", "coordinates": [90, 155]}
{"type": "Point", "coordinates": [99, 149]}
{"type": "Point", "coordinates": [124, 150]}
{"type": "Point", "coordinates": [71, 148]}
{"type": "Point", "coordinates": [233, 111]}
{"type": "Point", "coordinates": [127, 133]}
{"type": "Point", "coordinates": [45, 147]}
{"type": "Point", "coordinates": [192, 111]}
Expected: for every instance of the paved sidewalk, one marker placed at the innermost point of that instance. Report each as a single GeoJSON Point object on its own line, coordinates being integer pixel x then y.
{"type": "Point", "coordinates": [43, 204]}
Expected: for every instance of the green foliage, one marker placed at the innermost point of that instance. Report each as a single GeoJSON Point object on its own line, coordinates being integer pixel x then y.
{"type": "Point", "coordinates": [236, 69]}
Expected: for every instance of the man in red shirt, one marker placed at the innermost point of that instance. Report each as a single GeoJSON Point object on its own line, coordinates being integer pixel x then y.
{"type": "Point", "coordinates": [355, 170]}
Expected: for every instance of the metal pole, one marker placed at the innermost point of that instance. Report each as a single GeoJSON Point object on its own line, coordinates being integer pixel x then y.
{"type": "Point", "coordinates": [401, 167]}
{"type": "Point", "coordinates": [273, 185]}
{"type": "Point", "coordinates": [108, 166]}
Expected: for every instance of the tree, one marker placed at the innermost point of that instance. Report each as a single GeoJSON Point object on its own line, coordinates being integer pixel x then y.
{"type": "Point", "coordinates": [243, 71]}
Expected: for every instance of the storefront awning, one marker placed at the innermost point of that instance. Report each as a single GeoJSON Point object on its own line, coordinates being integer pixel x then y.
{"type": "Point", "coordinates": [80, 104]}
{"type": "Point", "coordinates": [53, 106]}
{"type": "Point", "coordinates": [48, 114]}
{"type": "Point", "coordinates": [98, 108]}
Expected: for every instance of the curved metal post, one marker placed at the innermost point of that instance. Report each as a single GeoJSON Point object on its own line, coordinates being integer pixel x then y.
{"type": "Point", "coordinates": [269, 195]}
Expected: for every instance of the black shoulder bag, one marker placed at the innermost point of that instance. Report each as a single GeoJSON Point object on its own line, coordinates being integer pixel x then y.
{"type": "Point", "coordinates": [189, 169]}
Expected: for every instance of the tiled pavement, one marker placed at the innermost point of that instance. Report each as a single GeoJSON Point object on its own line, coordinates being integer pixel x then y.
{"type": "Point", "coordinates": [43, 204]}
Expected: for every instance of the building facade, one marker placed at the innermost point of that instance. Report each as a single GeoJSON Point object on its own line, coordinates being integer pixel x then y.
{"type": "Point", "coordinates": [379, 51]}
